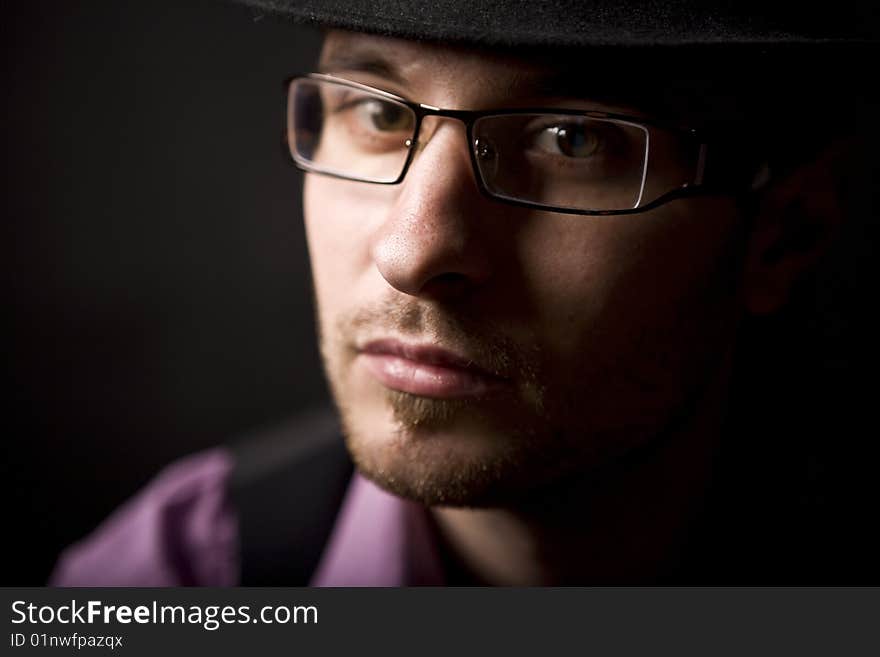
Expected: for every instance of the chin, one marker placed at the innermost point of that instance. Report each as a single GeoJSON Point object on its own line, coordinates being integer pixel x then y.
{"type": "Point", "coordinates": [449, 452]}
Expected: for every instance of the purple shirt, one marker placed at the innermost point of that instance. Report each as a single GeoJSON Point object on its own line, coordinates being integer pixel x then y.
{"type": "Point", "coordinates": [379, 540]}
{"type": "Point", "coordinates": [182, 530]}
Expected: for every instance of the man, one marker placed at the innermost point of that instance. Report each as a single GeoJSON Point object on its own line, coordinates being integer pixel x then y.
{"type": "Point", "coordinates": [539, 235]}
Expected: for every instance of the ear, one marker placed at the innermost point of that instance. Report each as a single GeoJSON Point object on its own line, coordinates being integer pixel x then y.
{"type": "Point", "coordinates": [797, 219]}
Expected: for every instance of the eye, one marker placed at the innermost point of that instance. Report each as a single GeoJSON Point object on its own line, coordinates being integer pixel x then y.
{"type": "Point", "coordinates": [382, 116]}
{"type": "Point", "coordinates": [575, 140]}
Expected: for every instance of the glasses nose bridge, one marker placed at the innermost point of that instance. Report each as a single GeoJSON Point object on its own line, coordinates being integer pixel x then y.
{"type": "Point", "coordinates": [428, 111]}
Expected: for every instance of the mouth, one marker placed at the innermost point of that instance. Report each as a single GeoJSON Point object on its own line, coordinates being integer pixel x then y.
{"type": "Point", "coordinates": [427, 370]}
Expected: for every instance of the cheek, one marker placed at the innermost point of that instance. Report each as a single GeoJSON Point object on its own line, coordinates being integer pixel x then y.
{"type": "Point", "coordinates": [339, 220]}
{"type": "Point", "coordinates": [328, 222]}
{"type": "Point", "coordinates": [573, 268]}
{"type": "Point", "coordinates": [605, 285]}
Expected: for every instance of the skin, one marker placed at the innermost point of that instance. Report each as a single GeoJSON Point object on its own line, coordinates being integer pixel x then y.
{"type": "Point", "coordinates": [614, 336]}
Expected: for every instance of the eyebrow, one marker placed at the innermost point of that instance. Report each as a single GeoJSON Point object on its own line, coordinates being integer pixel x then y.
{"type": "Point", "coordinates": [361, 60]}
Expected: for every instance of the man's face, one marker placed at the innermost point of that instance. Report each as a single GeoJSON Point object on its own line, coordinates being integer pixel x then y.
{"type": "Point", "coordinates": [479, 350]}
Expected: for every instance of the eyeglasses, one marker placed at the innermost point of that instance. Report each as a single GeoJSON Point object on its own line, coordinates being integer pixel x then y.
{"type": "Point", "coordinates": [571, 161]}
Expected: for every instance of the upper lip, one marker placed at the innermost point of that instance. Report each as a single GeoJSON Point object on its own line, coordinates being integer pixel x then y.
{"type": "Point", "coordinates": [426, 353]}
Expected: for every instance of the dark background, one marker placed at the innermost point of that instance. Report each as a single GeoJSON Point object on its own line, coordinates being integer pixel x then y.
{"type": "Point", "coordinates": [155, 268]}
{"type": "Point", "coordinates": [155, 265]}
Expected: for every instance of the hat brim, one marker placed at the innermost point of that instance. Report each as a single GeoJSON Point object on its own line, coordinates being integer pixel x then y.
{"type": "Point", "coordinates": [581, 23]}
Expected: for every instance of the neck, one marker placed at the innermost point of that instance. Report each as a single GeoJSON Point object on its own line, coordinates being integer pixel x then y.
{"type": "Point", "coordinates": [627, 525]}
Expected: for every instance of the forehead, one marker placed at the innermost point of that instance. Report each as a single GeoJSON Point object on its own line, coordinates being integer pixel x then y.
{"type": "Point", "coordinates": [457, 77]}
{"type": "Point", "coordinates": [413, 58]}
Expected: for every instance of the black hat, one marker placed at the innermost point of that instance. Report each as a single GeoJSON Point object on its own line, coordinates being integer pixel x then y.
{"type": "Point", "coordinates": [586, 23]}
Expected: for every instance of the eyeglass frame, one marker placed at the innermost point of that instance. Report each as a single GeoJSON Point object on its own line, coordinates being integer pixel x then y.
{"type": "Point", "coordinates": [469, 117]}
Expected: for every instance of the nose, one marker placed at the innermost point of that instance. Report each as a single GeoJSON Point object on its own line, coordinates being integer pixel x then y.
{"type": "Point", "coordinates": [431, 243]}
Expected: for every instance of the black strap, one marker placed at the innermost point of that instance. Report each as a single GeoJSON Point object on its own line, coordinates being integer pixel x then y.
{"type": "Point", "coordinates": [287, 486]}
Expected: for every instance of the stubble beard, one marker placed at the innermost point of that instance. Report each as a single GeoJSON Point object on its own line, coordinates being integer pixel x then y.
{"type": "Point", "coordinates": [475, 451]}
{"type": "Point", "coordinates": [416, 413]}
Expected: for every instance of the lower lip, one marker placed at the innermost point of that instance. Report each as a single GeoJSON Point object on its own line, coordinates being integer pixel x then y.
{"type": "Point", "coordinates": [427, 380]}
